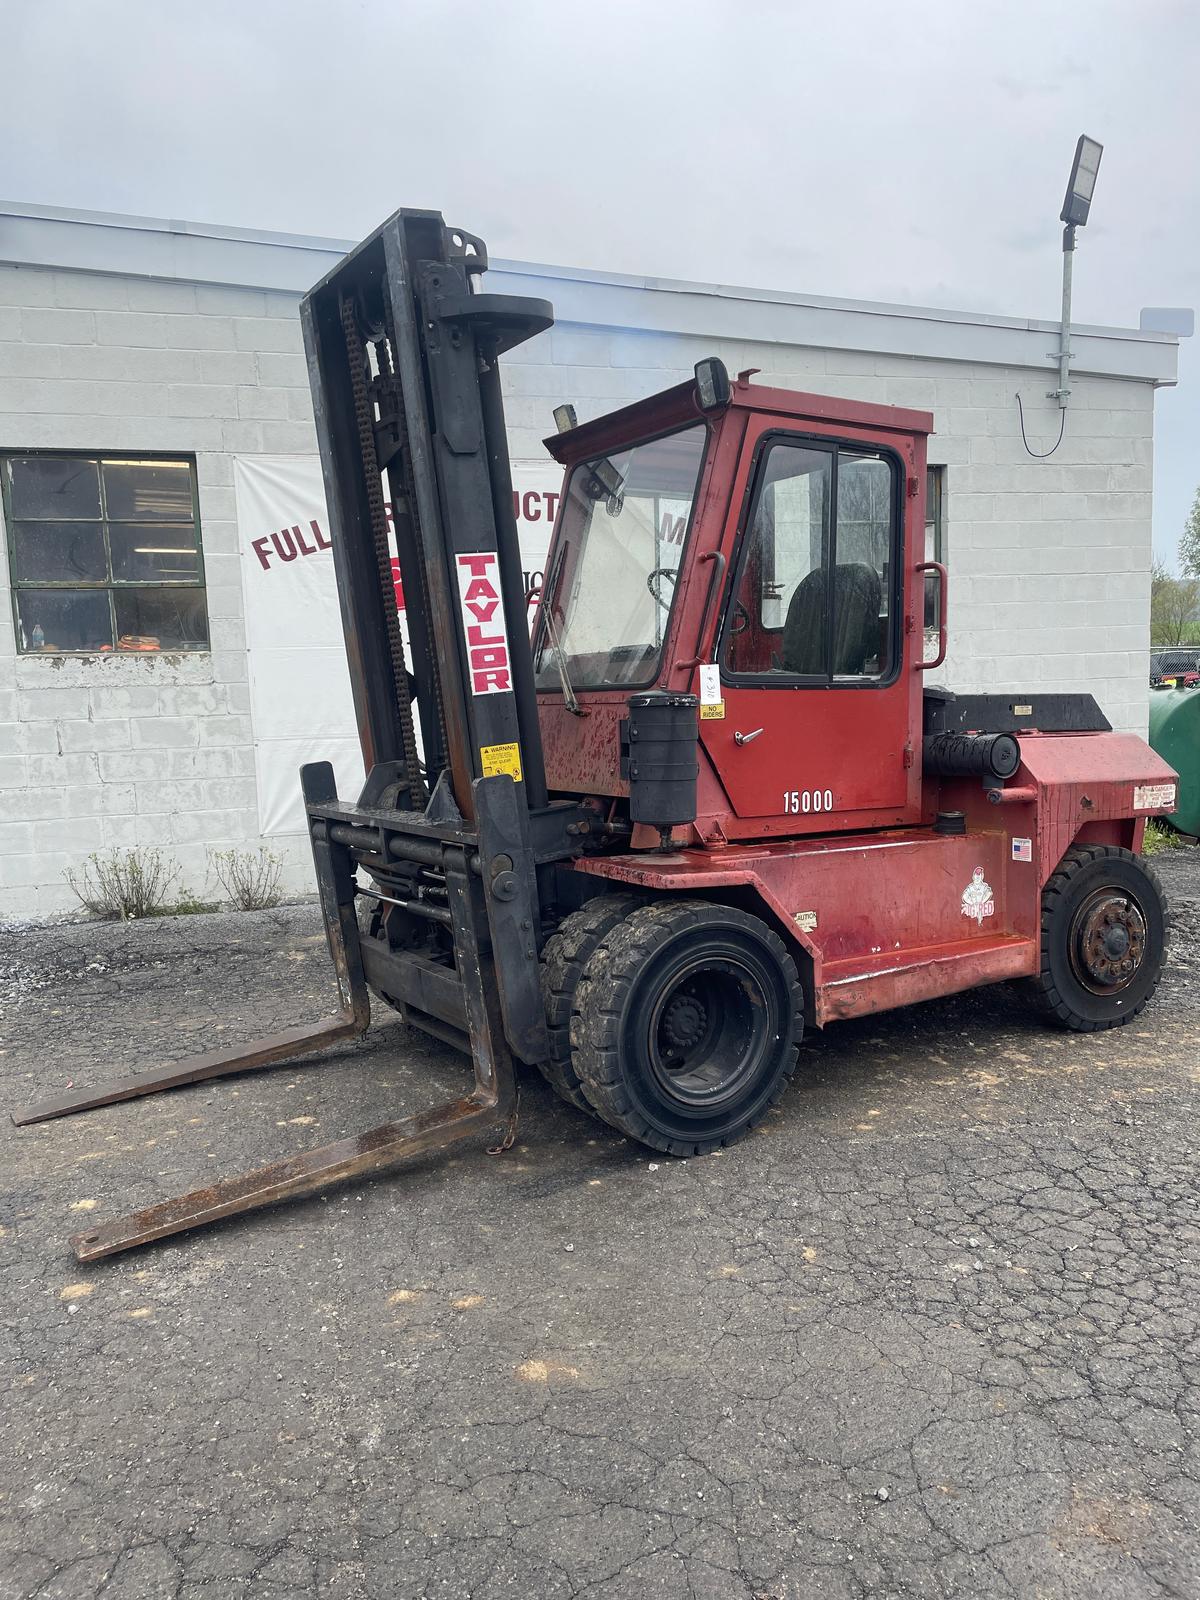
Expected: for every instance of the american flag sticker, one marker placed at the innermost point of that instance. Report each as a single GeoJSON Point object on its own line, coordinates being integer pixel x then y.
{"type": "Point", "coordinates": [1022, 849]}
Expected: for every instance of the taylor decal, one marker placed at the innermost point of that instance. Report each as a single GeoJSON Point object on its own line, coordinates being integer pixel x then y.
{"type": "Point", "coordinates": [483, 623]}
{"type": "Point", "coordinates": [978, 901]}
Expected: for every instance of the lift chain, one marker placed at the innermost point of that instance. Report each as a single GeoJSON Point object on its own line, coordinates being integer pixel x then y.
{"type": "Point", "coordinates": [377, 511]}
{"type": "Point", "coordinates": [435, 738]}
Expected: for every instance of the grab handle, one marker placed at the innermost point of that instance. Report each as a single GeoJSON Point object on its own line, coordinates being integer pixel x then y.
{"type": "Point", "coordinates": [714, 589]}
{"type": "Point", "coordinates": [943, 601]}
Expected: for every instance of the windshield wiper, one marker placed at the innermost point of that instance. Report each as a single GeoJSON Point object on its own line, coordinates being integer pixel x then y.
{"type": "Point", "coordinates": [570, 700]}
{"type": "Point", "coordinates": [549, 590]}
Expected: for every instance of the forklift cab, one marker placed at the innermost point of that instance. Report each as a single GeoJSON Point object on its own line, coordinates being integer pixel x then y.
{"type": "Point", "coordinates": [763, 552]}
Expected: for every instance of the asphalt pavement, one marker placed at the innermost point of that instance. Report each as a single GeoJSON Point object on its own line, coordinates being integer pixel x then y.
{"type": "Point", "coordinates": [931, 1332]}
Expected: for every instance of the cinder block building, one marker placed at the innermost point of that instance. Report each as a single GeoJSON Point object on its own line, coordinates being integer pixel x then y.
{"type": "Point", "coordinates": [149, 695]}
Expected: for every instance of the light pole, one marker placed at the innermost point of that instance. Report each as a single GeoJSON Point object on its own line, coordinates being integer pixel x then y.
{"type": "Point", "coordinates": [1074, 215]}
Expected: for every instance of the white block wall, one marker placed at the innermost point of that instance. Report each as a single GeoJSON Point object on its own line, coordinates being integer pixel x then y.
{"type": "Point", "coordinates": [1049, 559]}
{"type": "Point", "coordinates": [139, 750]}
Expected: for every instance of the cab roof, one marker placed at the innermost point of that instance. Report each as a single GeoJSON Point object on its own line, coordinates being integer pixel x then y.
{"type": "Point", "coordinates": [676, 407]}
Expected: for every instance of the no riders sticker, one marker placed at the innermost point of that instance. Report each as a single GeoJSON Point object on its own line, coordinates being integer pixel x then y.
{"type": "Point", "coordinates": [488, 662]}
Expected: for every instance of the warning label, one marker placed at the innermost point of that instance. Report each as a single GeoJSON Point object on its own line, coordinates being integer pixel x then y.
{"type": "Point", "coordinates": [713, 713]}
{"type": "Point", "coordinates": [1154, 797]}
{"type": "Point", "coordinates": [499, 758]}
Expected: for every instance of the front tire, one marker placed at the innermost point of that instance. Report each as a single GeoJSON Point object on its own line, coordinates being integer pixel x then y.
{"type": "Point", "coordinates": [685, 1025]}
{"type": "Point", "coordinates": [564, 960]}
{"type": "Point", "coordinates": [1104, 939]}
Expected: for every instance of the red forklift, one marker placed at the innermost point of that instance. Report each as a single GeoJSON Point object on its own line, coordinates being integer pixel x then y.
{"type": "Point", "coordinates": [713, 801]}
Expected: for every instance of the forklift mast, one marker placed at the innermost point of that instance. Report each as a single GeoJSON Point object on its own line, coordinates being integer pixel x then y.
{"type": "Point", "coordinates": [402, 350]}
{"type": "Point", "coordinates": [402, 354]}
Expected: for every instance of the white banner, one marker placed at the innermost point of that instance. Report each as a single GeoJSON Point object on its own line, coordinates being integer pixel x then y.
{"type": "Point", "coordinates": [300, 701]}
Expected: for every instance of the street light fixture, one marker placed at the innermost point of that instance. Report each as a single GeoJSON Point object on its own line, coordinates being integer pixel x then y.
{"type": "Point", "coordinates": [1074, 214]}
{"type": "Point", "coordinates": [1083, 181]}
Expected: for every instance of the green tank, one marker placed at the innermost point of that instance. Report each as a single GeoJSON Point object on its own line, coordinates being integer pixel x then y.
{"type": "Point", "coordinates": [1175, 736]}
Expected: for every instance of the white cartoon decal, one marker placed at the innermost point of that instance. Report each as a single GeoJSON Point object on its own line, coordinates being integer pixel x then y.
{"type": "Point", "coordinates": [978, 900]}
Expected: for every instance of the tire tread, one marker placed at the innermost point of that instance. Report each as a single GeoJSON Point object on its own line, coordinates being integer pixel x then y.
{"type": "Point", "coordinates": [565, 956]}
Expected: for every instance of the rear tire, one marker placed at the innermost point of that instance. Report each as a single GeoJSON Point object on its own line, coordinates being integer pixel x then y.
{"type": "Point", "coordinates": [685, 1025]}
{"type": "Point", "coordinates": [1104, 939]}
{"type": "Point", "coordinates": [565, 956]}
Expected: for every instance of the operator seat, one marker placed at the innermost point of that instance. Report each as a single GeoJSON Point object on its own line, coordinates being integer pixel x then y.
{"type": "Point", "coordinates": [858, 591]}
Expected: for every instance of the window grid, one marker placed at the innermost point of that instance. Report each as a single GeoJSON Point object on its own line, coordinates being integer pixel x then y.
{"type": "Point", "coordinates": [935, 542]}
{"type": "Point", "coordinates": [110, 585]}
{"type": "Point", "coordinates": [935, 478]}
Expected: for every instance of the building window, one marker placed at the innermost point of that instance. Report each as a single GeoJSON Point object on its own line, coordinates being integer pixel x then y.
{"type": "Point", "coordinates": [935, 542]}
{"type": "Point", "coordinates": [104, 553]}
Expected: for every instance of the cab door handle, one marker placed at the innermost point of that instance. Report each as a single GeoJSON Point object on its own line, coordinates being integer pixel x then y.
{"type": "Point", "coordinates": [746, 738]}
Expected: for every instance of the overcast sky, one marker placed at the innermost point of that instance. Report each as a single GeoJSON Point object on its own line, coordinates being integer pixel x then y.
{"type": "Point", "coordinates": [866, 151]}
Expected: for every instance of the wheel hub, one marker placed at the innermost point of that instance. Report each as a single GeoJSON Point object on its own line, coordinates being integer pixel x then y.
{"type": "Point", "coordinates": [1111, 940]}
{"type": "Point", "coordinates": [684, 1020]}
{"type": "Point", "coordinates": [710, 1026]}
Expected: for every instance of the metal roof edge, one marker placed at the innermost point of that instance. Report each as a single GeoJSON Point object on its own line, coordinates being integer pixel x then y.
{"type": "Point", "coordinates": [198, 230]}
{"type": "Point", "coordinates": [120, 244]}
{"type": "Point", "coordinates": [884, 308]}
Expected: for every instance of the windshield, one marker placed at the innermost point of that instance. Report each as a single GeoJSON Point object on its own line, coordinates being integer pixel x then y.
{"type": "Point", "coordinates": [608, 593]}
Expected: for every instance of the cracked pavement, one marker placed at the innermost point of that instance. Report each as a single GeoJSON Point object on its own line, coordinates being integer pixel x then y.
{"type": "Point", "coordinates": [932, 1332]}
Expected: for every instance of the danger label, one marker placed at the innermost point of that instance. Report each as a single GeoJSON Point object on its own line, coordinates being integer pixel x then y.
{"type": "Point", "coordinates": [489, 664]}
{"type": "Point", "coordinates": [1154, 797]}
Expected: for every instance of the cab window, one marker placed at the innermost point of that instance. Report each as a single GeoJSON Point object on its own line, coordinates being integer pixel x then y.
{"type": "Point", "coordinates": [814, 594]}
{"type": "Point", "coordinates": [611, 585]}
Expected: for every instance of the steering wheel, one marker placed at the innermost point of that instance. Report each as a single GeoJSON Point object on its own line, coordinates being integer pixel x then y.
{"type": "Point", "coordinates": [660, 572]}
